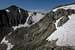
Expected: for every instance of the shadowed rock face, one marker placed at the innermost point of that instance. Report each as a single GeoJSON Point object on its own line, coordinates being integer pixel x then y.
{"type": "Point", "coordinates": [16, 15]}
{"type": "Point", "coordinates": [4, 26]}
{"type": "Point", "coordinates": [3, 46]}
{"type": "Point", "coordinates": [11, 16]}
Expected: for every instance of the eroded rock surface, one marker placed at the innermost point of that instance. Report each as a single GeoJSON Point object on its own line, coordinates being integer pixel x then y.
{"type": "Point", "coordinates": [11, 16]}
{"type": "Point", "coordinates": [3, 46]}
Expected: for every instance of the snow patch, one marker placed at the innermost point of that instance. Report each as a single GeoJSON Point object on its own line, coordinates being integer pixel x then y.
{"type": "Point", "coordinates": [9, 45]}
{"type": "Point", "coordinates": [36, 18]}
{"type": "Point", "coordinates": [65, 33]}
{"type": "Point", "coordinates": [7, 10]}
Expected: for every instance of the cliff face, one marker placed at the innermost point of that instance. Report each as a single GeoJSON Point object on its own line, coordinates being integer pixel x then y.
{"type": "Point", "coordinates": [11, 16]}
{"type": "Point", "coordinates": [16, 15]}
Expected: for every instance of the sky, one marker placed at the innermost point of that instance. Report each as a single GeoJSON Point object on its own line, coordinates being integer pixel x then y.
{"type": "Point", "coordinates": [34, 4]}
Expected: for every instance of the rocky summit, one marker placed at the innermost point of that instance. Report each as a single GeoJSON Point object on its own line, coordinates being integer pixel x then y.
{"type": "Point", "coordinates": [11, 16]}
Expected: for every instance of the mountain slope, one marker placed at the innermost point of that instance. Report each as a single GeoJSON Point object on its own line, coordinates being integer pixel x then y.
{"type": "Point", "coordinates": [34, 37]}
{"type": "Point", "coordinates": [65, 33]}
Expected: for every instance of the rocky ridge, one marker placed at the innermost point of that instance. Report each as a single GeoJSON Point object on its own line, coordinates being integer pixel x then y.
{"type": "Point", "coordinates": [34, 37]}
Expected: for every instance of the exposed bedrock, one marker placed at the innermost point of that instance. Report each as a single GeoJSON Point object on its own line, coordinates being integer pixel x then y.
{"type": "Point", "coordinates": [11, 16]}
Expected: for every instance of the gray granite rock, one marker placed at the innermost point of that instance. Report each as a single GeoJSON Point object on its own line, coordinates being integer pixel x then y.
{"type": "Point", "coordinates": [3, 46]}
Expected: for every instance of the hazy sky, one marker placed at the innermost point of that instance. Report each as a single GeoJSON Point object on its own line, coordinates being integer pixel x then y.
{"type": "Point", "coordinates": [34, 4]}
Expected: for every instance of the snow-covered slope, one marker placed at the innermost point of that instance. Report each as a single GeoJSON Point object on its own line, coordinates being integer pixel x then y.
{"type": "Point", "coordinates": [66, 7]}
{"type": "Point", "coordinates": [65, 33]}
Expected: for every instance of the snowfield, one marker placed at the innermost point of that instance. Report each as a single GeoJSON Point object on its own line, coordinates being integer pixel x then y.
{"type": "Point", "coordinates": [65, 33]}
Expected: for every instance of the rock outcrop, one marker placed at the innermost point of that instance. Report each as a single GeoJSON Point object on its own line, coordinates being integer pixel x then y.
{"type": "Point", "coordinates": [11, 16]}
{"type": "Point", "coordinates": [16, 15]}
{"type": "Point", "coordinates": [3, 46]}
